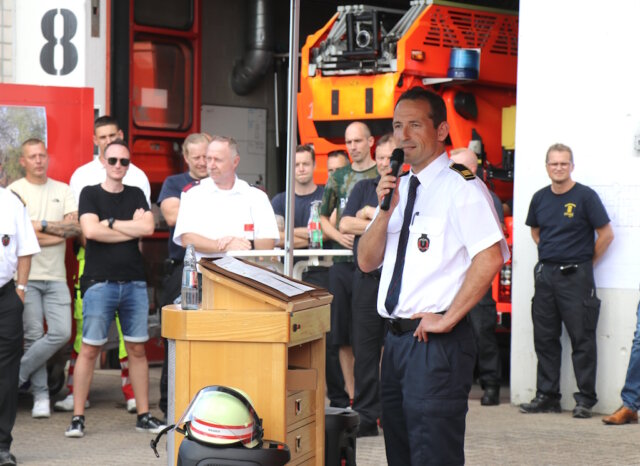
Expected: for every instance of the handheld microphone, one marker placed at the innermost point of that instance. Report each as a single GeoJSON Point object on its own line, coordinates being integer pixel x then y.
{"type": "Point", "coordinates": [397, 160]}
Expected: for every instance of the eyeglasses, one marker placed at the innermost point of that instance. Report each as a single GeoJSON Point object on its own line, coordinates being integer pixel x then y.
{"type": "Point", "coordinates": [114, 160]}
{"type": "Point", "coordinates": [559, 165]}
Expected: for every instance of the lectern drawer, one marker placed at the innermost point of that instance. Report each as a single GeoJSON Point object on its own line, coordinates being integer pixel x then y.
{"type": "Point", "coordinates": [302, 440]}
{"type": "Point", "coordinates": [310, 461]}
{"type": "Point", "coordinates": [300, 405]}
{"type": "Point", "coordinates": [301, 379]}
{"type": "Point", "coordinates": [309, 324]}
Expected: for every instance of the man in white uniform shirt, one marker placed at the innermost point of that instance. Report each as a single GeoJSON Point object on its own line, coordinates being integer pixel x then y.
{"type": "Point", "coordinates": [222, 212]}
{"type": "Point", "coordinates": [18, 243]}
{"type": "Point", "coordinates": [440, 245]}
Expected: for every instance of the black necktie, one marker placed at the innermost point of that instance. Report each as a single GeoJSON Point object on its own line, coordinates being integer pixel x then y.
{"type": "Point", "coordinates": [393, 293]}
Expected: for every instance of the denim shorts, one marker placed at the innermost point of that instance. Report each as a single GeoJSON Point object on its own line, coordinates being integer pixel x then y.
{"type": "Point", "coordinates": [99, 306]}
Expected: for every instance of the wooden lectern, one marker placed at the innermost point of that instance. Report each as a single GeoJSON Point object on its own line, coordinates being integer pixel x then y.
{"type": "Point", "coordinates": [253, 337]}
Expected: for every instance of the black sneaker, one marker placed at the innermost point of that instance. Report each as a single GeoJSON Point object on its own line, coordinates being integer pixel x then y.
{"type": "Point", "coordinates": [76, 429]}
{"type": "Point", "coordinates": [541, 404]}
{"type": "Point", "coordinates": [7, 459]}
{"type": "Point", "coordinates": [147, 423]}
{"type": "Point", "coordinates": [581, 412]}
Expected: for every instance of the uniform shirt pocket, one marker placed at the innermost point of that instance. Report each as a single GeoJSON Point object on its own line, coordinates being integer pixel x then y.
{"type": "Point", "coordinates": [426, 235]}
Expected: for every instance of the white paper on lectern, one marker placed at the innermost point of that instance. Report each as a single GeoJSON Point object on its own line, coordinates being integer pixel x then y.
{"type": "Point", "coordinates": [282, 284]}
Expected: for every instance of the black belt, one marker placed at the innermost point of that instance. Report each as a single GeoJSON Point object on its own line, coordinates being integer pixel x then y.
{"type": "Point", "coordinates": [10, 285]}
{"type": "Point", "coordinates": [401, 326]}
{"type": "Point", "coordinates": [565, 268]}
{"type": "Point", "coordinates": [375, 274]}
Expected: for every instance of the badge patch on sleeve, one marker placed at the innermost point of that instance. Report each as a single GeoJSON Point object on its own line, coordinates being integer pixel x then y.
{"type": "Point", "coordinates": [423, 243]}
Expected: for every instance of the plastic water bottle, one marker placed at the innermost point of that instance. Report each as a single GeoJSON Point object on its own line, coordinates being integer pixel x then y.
{"type": "Point", "coordinates": [313, 226]}
{"type": "Point", "coordinates": [189, 295]}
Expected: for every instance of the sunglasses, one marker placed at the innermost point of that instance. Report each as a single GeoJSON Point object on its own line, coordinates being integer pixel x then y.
{"type": "Point", "coordinates": [114, 160]}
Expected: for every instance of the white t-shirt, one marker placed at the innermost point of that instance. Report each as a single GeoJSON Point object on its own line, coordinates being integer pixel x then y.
{"type": "Point", "coordinates": [93, 173]}
{"type": "Point", "coordinates": [50, 201]}
{"type": "Point", "coordinates": [455, 219]}
{"type": "Point", "coordinates": [16, 234]}
{"type": "Point", "coordinates": [215, 213]}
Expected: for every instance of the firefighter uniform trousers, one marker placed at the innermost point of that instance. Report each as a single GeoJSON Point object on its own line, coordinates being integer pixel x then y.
{"type": "Point", "coordinates": [11, 334]}
{"type": "Point", "coordinates": [569, 298]}
{"type": "Point", "coordinates": [435, 379]}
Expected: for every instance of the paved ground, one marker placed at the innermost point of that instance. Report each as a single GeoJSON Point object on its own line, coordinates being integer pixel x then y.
{"type": "Point", "coordinates": [495, 435]}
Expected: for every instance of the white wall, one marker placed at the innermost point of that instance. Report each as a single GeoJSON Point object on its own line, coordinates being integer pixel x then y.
{"type": "Point", "coordinates": [578, 84]}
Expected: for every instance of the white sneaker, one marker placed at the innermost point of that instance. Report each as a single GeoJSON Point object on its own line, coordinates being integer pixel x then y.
{"type": "Point", "coordinates": [66, 405]}
{"type": "Point", "coordinates": [41, 409]}
{"type": "Point", "coordinates": [131, 405]}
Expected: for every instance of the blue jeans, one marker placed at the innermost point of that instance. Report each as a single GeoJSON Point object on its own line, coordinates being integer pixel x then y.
{"type": "Point", "coordinates": [631, 390]}
{"type": "Point", "coordinates": [99, 305]}
{"type": "Point", "coordinates": [44, 300]}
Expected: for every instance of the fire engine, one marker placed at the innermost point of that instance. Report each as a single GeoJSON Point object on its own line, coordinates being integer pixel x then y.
{"type": "Point", "coordinates": [142, 60]}
{"type": "Point", "coordinates": [364, 58]}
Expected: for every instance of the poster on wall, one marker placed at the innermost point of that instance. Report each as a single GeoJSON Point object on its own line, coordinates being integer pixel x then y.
{"type": "Point", "coordinates": [18, 124]}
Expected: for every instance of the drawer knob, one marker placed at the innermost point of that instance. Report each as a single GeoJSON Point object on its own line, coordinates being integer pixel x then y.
{"type": "Point", "coordinates": [298, 406]}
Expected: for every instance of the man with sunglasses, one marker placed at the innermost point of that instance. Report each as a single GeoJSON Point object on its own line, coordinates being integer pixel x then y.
{"type": "Point", "coordinates": [563, 218]}
{"type": "Point", "coordinates": [113, 218]}
{"type": "Point", "coordinates": [106, 130]}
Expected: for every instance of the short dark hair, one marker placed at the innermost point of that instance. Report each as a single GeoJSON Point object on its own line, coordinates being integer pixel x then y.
{"type": "Point", "coordinates": [105, 120]}
{"type": "Point", "coordinates": [438, 108]}
{"type": "Point", "coordinates": [32, 142]}
{"type": "Point", "coordinates": [558, 147]}
{"type": "Point", "coordinates": [338, 153]}
{"type": "Point", "coordinates": [117, 142]}
{"type": "Point", "coordinates": [307, 148]}
{"type": "Point", "coordinates": [385, 138]}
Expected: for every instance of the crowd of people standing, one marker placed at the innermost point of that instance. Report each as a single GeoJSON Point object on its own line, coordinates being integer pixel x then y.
{"type": "Point", "coordinates": [411, 306]}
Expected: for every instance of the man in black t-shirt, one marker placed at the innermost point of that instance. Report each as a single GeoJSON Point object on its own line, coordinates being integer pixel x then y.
{"type": "Point", "coordinates": [563, 218]}
{"type": "Point", "coordinates": [113, 218]}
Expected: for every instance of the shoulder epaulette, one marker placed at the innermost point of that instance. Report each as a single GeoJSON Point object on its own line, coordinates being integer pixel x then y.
{"type": "Point", "coordinates": [190, 185]}
{"type": "Point", "coordinates": [18, 196]}
{"type": "Point", "coordinates": [463, 171]}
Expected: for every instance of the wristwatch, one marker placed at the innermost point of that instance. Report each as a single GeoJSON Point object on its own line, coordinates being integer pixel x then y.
{"type": "Point", "coordinates": [21, 287]}
{"type": "Point", "coordinates": [44, 224]}
{"type": "Point", "coordinates": [111, 220]}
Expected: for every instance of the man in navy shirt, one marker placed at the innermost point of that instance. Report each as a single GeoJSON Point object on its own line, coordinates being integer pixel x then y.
{"type": "Point", "coordinates": [194, 150]}
{"type": "Point", "coordinates": [563, 218]}
{"type": "Point", "coordinates": [306, 191]}
{"type": "Point", "coordinates": [368, 326]}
